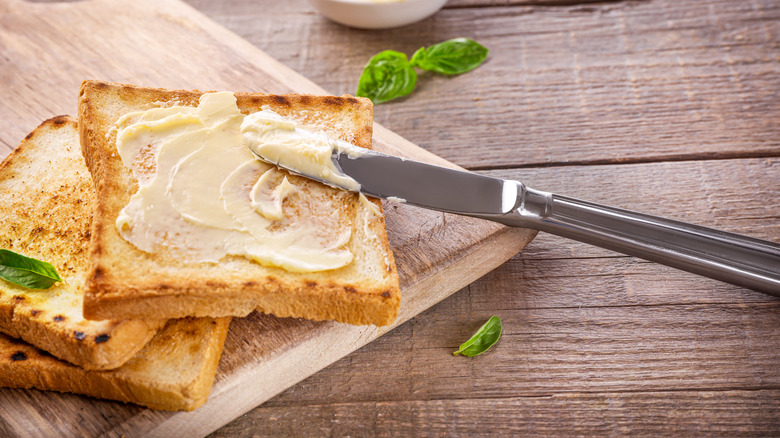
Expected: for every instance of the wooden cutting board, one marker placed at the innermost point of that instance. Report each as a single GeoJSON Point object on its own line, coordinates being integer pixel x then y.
{"type": "Point", "coordinates": [46, 50]}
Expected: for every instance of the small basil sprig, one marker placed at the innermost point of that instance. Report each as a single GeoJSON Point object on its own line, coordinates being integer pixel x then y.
{"type": "Point", "coordinates": [390, 75]}
{"type": "Point", "coordinates": [387, 75]}
{"type": "Point", "coordinates": [451, 57]}
{"type": "Point", "coordinates": [27, 272]}
{"type": "Point", "coordinates": [483, 339]}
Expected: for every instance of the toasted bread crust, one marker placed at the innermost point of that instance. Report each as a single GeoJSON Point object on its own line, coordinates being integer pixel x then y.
{"type": "Point", "coordinates": [174, 371]}
{"type": "Point", "coordinates": [46, 213]}
{"type": "Point", "coordinates": [124, 281]}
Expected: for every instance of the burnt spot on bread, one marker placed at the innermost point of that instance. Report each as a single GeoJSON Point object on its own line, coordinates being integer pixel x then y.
{"type": "Point", "coordinates": [352, 100]}
{"type": "Point", "coordinates": [281, 100]}
{"type": "Point", "coordinates": [386, 294]}
{"type": "Point", "coordinates": [350, 289]}
{"type": "Point", "coordinates": [19, 355]}
{"type": "Point", "coordinates": [311, 284]}
{"type": "Point", "coordinates": [80, 336]}
{"type": "Point", "coordinates": [18, 298]}
{"type": "Point", "coordinates": [59, 318]}
{"type": "Point", "coordinates": [29, 136]}
{"type": "Point", "coordinates": [250, 283]}
{"type": "Point", "coordinates": [99, 339]}
{"type": "Point", "coordinates": [304, 99]}
{"type": "Point", "coordinates": [334, 101]}
{"type": "Point", "coordinates": [35, 312]}
{"type": "Point", "coordinates": [59, 120]}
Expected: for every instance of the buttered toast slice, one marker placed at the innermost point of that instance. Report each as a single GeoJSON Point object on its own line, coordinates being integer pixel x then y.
{"type": "Point", "coordinates": [46, 213]}
{"type": "Point", "coordinates": [177, 275]}
{"type": "Point", "coordinates": [174, 371]}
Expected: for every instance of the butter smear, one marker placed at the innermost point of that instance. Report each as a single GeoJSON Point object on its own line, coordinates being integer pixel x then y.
{"type": "Point", "coordinates": [203, 195]}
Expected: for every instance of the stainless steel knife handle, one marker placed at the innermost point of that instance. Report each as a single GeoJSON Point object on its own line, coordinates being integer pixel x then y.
{"type": "Point", "coordinates": [724, 256]}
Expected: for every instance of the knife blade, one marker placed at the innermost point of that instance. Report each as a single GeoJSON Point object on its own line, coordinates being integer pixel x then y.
{"type": "Point", "coordinates": [428, 186]}
{"type": "Point", "coordinates": [729, 257]}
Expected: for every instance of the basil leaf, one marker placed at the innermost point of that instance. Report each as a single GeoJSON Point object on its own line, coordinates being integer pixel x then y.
{"type": "Point", "coordinates": [483, 339]}
{"type": "Point", "coordinates": [388, 75]}
{"type": "Point", "coordinates": [451, 57]}
{"type": "Point", "coordinates": [26, 271]}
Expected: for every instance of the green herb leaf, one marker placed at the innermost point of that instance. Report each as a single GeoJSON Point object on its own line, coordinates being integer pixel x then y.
{"type": "Point", "coordinates": [483, 339]}
{"type": "Point", "coordinates": [388, 75]}
{"type": "Point", "coordinates": [451, 57]}
{"type": "Point", "coordinates": [26, 271]}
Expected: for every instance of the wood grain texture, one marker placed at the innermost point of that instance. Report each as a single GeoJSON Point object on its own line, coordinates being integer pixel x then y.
{"type": "Point", "coordinates": [48, 49]}
{"type": "Point", "coordinates": [596, 343]}
{"type": "Point", "coordinates": [605, 414]}
{"type": "Point", "coordinates": [594, 83]}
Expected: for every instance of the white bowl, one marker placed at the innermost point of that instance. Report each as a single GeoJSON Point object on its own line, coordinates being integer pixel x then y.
{"type": "Point", "coordinates": [377, 14]}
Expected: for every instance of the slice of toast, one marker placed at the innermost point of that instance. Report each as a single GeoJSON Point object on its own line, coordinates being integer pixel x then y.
{"type": "Point", "coordinates": [174, 371]}
{"type": "Point", "coordinates": [126, 282]}
{"type": "Point", "coordinates": [46, 210]}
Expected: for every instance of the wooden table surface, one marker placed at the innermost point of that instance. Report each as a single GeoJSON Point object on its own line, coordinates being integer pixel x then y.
{"type": "Point", "coordinates": [669, 107]}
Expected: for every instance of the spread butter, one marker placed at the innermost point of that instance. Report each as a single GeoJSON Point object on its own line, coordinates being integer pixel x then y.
{"type": "Point", "coordinates": [203, 195]}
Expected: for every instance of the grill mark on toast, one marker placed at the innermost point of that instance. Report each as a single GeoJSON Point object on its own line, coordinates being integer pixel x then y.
{"type": "Point", "coordinates": [281, 100]}
{"type": "Point", "coordinates": [333, 101]}
{"type": "Point", "coordinates": [18, 356]}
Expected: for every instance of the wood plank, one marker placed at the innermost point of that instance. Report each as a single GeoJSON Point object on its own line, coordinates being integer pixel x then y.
{"type": "Point", "coordinates": [668, 413]}
{"type": "Point", "coordinates": [558, 350]}
{"type": "Point", "coordinates": [607, 82]}
{"type": "Point", "coordinates": [49, 48]}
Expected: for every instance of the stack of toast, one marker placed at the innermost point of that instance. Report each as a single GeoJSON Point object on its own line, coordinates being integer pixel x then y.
{"type": "Point", "coordinates": [148, 328]}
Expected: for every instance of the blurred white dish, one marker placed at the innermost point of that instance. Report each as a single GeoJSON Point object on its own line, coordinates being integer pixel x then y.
{"type": "Point", "coordinates": [377, 14]}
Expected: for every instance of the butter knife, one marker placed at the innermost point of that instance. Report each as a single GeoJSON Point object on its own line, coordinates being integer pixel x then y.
{"type": "Point", "coordinates": [732, 258]}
